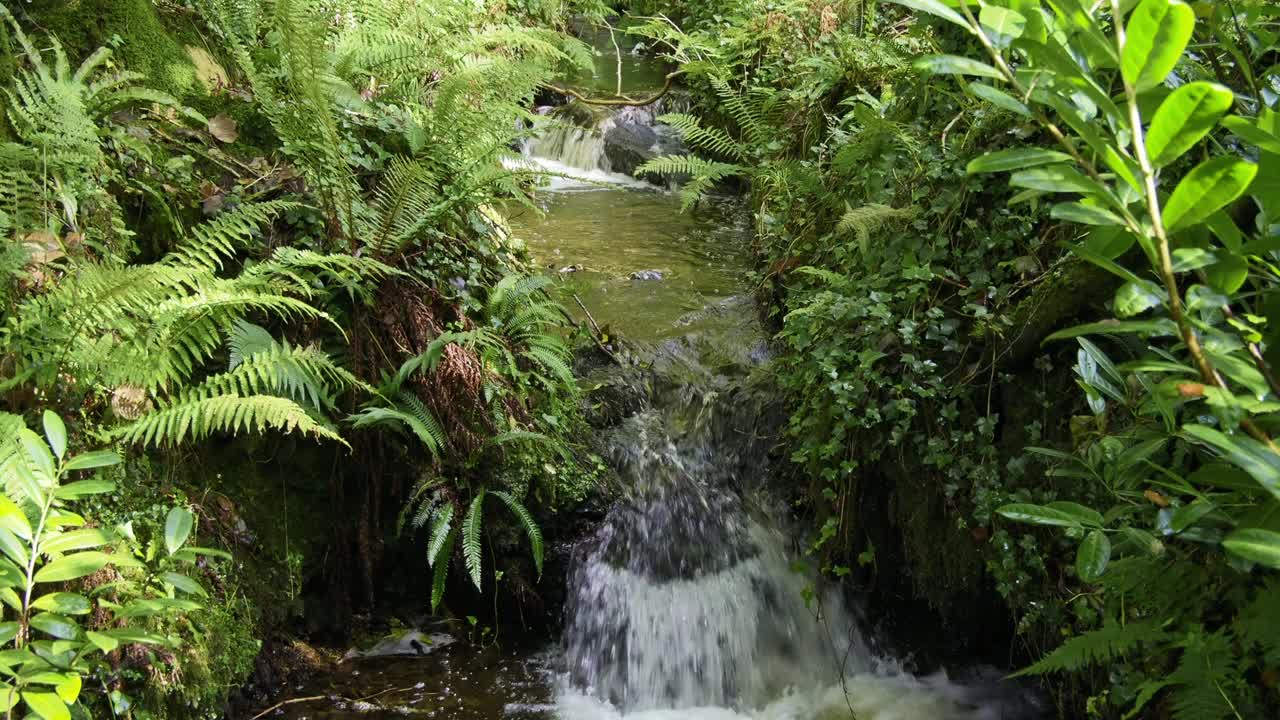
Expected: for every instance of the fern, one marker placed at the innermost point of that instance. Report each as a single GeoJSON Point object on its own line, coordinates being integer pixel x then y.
{"type": "Point", "coordinates": [530, 527]}
{"type": "Point", "coordinates": [471, 527]}
{"type": "Point", "coordinates": [870, 219]}
{"type": "Point", "coordinates": [1206, 677]}
{"type": "Point", "coordinates": [175, 421]}
{"type": "Point", "coordinates": [441, 530]}
{"type": "Point", "coordinates": [1097, 647]}
{"type": "Point", "coordinates": [440, 571]}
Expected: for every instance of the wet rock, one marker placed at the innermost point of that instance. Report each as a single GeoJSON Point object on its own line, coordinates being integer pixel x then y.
{"type": "Point", "coordinates": [646, 275]}
{"type": "Point", "coordinates": [634, 137]}
{"type": "Point", "coordinates": [408, 643]}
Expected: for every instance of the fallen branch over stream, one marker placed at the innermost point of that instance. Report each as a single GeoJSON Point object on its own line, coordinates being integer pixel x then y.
{"type": "Point", "coordinates": [313, 698]}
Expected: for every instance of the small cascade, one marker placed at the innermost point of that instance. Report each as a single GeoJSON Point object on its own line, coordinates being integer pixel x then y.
{"type": "Point", "coordinates": [573, 147]}
{"type": "Point", "coordinates": [686, 604]}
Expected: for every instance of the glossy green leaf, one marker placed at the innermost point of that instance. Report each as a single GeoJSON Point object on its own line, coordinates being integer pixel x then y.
{"type": "Point", "coordinates": [1252, 134]}
{"type": "Point", "coordinates": [1086, 515]}
{"type": "Point", "coordinates": [1041, 515]}
{"type": "Point", "coordinates": [1001, 24]}
{"type": "Point", "coordinates": [1085, 214]}
{"type": "Point", "coordinates": [59, 626]}
{"type": "Point", "coordinates": [1184, 118]}
{"type": "Point", "coordinates": [1061, 179]}
{"type": "Point", "coordinates": [47, 705]}
{"type": "Point", "coordinates": [1000, 99]}
{"type": "Point", "coordinates": [69, 689]}
{"type": "Point", "coordinates": [8, 631]}
{"type": "Point", "coordinates": [1209, 187]}
{"type": "Point", "coordinates": [1228, 274]}
{"type": "Point", "coordinates": [1154, 328]}
{"type": "Point", "coordinates": [177, 528]}
{"type": "Point", "coordinates": [38, 454]}
{"type": "Point", "coordinates": [56, 433]}
{"type": "Point", "coordinates": [1244, 452]}
{"type": "Point", "coordinates": [70, 567]}
{"type": "Point", "coordinates": [105, 643]}
{"type": "Point", "coordinates": [956, 65]}
{"type": "Point", "coordinates": [1157, 34]}
{"type": "Point", "coordinates": [937, 9]}
{"type": "Point", "coordinates": [94, 459]}
{"type": "Point", "coordinates": [1093, 556]}
{"type": "Point", "coordinates": [184, 583]}
{"type": "Point", "coordinates": [65, 603]}
{"type": "Point", "coordinates": [1135, 298]}
{"type": "Point", "coordinates": [83, 488]}
{"type": "Point", "coordinates": [1255, 545]}
{"type": "Point", "coordinates": [13, 519]}
{"type": "Point", "coordinates": [1015, 159]}
{"type": "Point", "coordinates": [82, 539]}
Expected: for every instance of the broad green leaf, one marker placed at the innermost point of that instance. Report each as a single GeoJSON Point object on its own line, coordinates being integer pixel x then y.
{"type": "Point", "coordinates": [1001, 24]}
{"type": "Point", "coordinates": [68, 689]}
{"type": "Point", "coordinates": [1086, 515]}
{"type": "Point", "coordinates": [8, 631]}
{"type": "Point", "coordinates": [82, 488]}
{"type": "Point", "coordinates": [1157, 33]}
{"type": "Point", "coordinates": [105, 643]}
{"type": "Point", "coordinates": [190, 553]}
{"type": "Point", "coordinates": [177, 528]}
{"type": "Point", "coordinates": [1209, 187]}
{"type": "Point", "coordinates": [10, 575]}
{"type": "Point", "coordinates": [937, 9]}
{"type": "Point", "coordinates": [1250, 133]}
{"type": "Point", "coordinates": [1015, 159]}
{"type": "Point", "coordinates": [1062, 179]}
{"type": "Point", "coordinates": [184, 583]}
{"type": "Point", "coordinates": [77, 540]}
{"type": "Point", "coordinates": [1188, 515]}
{"type": "Point", "coordinates": [1135, 298]}
{"type": "Point", "coordinates": [38, 453]}
{"type": "Point", "coordinates": [999, 98]}
{"type": "Point", "coordinates": [1244, 452]}
{"type": "Point", "coordinates": [94, 459]}
{"type": "Point", "coordinates": [56, 433]}
{"type": "Point", "coordinates": [1085, 214]}
{"type": "Point", "coordinates": [956, 65]}
{"type": "Point", "coordinates": [131, 635]}
{"type": "Point", "coordinates": [47, 705]}
{"type": "Point", "coordinates": [59, 626]}
{"type": "Point", "coordinates": [1162, 327]}
{"type": "Point", "coordinates": [12, 518]}
{"type": "Point", "coordinates": [1184, 118]}
{"type": "Point", "coordinates": [66, 603]}
{"type": "Point", "coordinates": [1188, 259]}
{"type": "Point", "coordinates": [1093, 555]}
{"type": "Point", "coordinates": [1255, 545]}
{"type": "Point", "coordinates": [70, 567]}
{"type": "Point", "coordinates": [1040, 515]}
{"type": "Point", "coordinates": [1228, 274]}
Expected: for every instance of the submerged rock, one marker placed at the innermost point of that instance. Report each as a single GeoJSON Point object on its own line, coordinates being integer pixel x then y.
{"type": "Point", "coordinates": [646, 275]}
{"type": "Point", "coordinates": [412, 642]}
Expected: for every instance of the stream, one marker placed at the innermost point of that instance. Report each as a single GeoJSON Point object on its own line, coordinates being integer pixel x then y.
{"type": "Point", "coordinates": [686, 604]}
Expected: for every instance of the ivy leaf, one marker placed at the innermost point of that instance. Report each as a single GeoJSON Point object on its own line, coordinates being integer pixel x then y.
{"type": "Point", "coordinates": [177, 528]}
{"type": "Point", "coordinates": [1093, 556]}
{"type": "Point", "coordinates": [1255, 545]}
{"type": "Point", "coordinates": [1015, 159]}
{"type": "Point", "coordinates": [1184, 118]}
{"type": "Point", "coordinates": [1157, 33]}
{"type": "Point", "coordinates": [1209, 187]}
{"type": "Point", "coordinates": [956, 65]}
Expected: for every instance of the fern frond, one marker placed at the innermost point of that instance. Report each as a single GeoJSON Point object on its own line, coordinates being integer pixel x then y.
{"type": "Point", "coordinates": [471, 527]}
{"type": "Point", "coordinates": [530, 527]}
{"type": "Point", "coordinates": [871, 219]}
{"type": "Point", "coordinates": [173, 422]}
{"type": "Point", "coordinates": [1206, 678]}
{"type": "Point", "coordinates": [440, 571]}
{"type": "Point", "coordinates": [441, 531]}
{"type": "Point", "coordinates": [1097, 647]}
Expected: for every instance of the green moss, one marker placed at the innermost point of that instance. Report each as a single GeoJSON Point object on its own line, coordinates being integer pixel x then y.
{"type": "Point", "coordinates": [143, 39]}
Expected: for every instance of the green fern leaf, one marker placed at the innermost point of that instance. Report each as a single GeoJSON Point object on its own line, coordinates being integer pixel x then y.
{"type": "Point", "coordinates": [471, 537]}
{"type": "Point", "coordinates": [1096, 647]}
{"type": "Point", "coordinates": [440, 574]}
{"type": "Point", "coordinates": [530, 527]}
{"type": "Point", "coordinates": [441, 532]}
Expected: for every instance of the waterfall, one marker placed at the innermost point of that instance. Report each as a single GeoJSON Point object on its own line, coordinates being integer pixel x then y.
{"type": "Point", "coordinates": [686, 604]}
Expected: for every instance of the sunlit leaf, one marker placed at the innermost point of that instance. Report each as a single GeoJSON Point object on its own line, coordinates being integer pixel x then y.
{"type": "Point", "coordinates": [1209, 187]}
{"type": "Point", "coordinates": [1184, 118]}
{"type": "Point", "coordinates": [1157, 33]}
{"type": "Point", "coordinates": [956, 65]}
{"type": "Point", "coordinates": [177, 528]}
{"type": "Point", "coordinates": [1255, 545]}
{"type": "Point", "coordinates": [56, 433]}
{"type": "Point", "coordinates": [1015, 159]}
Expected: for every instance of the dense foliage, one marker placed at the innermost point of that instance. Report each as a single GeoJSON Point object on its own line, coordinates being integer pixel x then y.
{"type": "Point", "coordinates": [914, 291]}
{"type": "Point", "coordinates": [302, 243]}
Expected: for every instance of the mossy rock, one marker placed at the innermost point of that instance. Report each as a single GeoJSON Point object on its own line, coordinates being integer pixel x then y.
{"type": "Point", "coordinates": [144, 39]}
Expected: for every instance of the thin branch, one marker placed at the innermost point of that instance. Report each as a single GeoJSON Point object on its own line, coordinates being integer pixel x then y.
{"type": "Point", "coordinates": [620, 101]}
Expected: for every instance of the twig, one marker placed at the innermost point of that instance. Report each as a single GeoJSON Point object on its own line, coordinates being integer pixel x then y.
{"type": "Point", "coordinates": [594, 324]}
{"type": "Point", "coordinates": [283, 703]}
{"type": "Point", "coordinates": [620, 101]}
